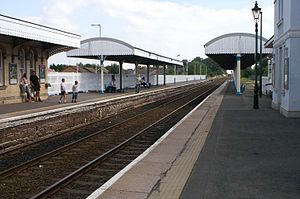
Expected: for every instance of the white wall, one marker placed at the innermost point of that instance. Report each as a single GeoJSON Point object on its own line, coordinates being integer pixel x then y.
{"type": "Point", "coordinates": [91, 81]}
{"type": "Point", "coordinates": [287, 47]}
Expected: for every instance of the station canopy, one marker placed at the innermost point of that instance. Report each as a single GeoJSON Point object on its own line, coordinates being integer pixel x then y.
{"type": "Point", "coordinates": [223, 49]}
{"type": "Point", "coordinates": [120, 51]}
{"type": "Point", "coordinates": [53, 40]}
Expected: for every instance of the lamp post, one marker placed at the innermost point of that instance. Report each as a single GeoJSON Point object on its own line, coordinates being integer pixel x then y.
{"type": "Point", "coordinates": [256, 13]}
{"type": "Point", "coordinates": [260, 58]}
{"type": "Point", "coordinates": [175, 67]}
{"type": "Point", "coordinates": [101, 59]}
{"type": "Point", "coordinates": [99, 25]}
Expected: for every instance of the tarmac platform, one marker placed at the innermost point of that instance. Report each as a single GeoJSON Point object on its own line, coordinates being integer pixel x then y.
{"type": "Point", "coordinates": [248, 154]}
{"type": "Point", "coordinates": [224, 149]}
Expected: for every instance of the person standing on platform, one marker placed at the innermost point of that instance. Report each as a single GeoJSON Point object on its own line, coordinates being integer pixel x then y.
{"type": "Point", "coordinates": [62, 91]}
{"type": "Point", "coordinates": [138, 83]}
{"type": "Point", "coordinates": [25, 88]}
{"type": "Point", "coordinates": [75, 92]}
{"type": "Point", "coordinates": [113, 84]}
{"type": "Point", "coordinates": [35, 83]}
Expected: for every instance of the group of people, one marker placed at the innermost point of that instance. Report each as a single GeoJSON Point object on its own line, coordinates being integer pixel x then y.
{"type": "Point", "coordinates": [112, 86]}
{"type": "Point", "coordinates": [35, 88]}
{"type": "Point", "coordinates": [32, 89]}
{"type": "Point", "coordinates": [63, 93]}
{"type": "Point", "coordinates": [140, 81]}
{"type": "Point", "coordinates": [32, 92]}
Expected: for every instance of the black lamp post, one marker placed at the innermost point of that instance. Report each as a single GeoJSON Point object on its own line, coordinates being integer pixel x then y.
{"type": "Point", "coordinates": [260, 57]}
{"type": "Point", "coordinates": [256, 13]}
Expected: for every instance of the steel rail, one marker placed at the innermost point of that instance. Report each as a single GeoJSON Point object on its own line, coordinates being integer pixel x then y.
{"type": "Point", "coordinates": [66, 180]}
{"type": "Point", "coordinates": [35, 161]}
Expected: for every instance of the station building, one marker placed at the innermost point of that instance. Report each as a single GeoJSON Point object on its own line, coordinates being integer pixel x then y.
{"type": "Point", "coordinates": [24, 47]}
{"type": "Point", "coordinates": [286, 59]}
{"type": "Point", "coordinates": [284, 70]}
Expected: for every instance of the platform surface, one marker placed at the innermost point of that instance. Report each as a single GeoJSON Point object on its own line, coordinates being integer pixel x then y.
{"type": "Point", "coordinates": [248, 154]}
{"type": "Point", "coordinates": [224, 149]}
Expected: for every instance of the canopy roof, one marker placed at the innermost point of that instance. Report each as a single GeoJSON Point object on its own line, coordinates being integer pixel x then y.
{"type": "Point", "coordinates": [223, 49]}
{"type": "Point", "coordinates": [117, 50]}
{"type": "Point", "coordinates": [23, 31]}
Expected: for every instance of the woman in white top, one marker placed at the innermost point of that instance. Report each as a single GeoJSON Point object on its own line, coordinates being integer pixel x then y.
{"type": "Point", "coordinates": [25, 88]}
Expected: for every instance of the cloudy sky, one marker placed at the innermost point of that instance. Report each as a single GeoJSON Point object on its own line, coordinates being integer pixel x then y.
{"type": "Point", "coordinates": [166, 27]}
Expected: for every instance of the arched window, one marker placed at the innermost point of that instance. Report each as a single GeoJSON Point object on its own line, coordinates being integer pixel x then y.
{"type": "Point", "coordinates": [1, 68]}
{"type": "Point", "coordinates": [32, 62]}
{"type": "Point", "coordinates": [22, 63]}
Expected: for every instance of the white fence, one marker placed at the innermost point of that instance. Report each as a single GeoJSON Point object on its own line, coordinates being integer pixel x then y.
{"type": "Point", "coordinates": [91, 81]}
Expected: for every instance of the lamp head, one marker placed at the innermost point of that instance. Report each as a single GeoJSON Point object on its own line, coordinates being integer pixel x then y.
{"type": "Point", "coordinates": [256, 12]}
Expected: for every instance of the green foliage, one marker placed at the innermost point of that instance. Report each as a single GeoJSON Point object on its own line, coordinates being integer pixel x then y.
{"type": "Point", "coordinates": [198, 66]}
{"type": "Point", "coordinates": [265, 67]}
{"type": "Point", "coordinates": [213, 69]}
{"type": "Point", "coordinates": [113, 68]}
{"type": "Point", "coordinates": [58, 67]}
{"type": "Point", "coordinates": [248, 72]}
{"type": "Point", "coordinates": [170, 70]}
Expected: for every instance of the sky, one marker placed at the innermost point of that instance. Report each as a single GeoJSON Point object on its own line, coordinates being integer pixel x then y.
{"type": "Point", "coordinates": [167, 27]}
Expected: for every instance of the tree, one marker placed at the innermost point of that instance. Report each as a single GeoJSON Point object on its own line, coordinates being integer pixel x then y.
{"type": "Point", "coordinates": [200, 66]}
{"type": "Point", "coordinates": [265, 67]}
{"type": "Point", "coordinates": [58, 67]}
{"type": "Point", "coordinates": [113, 68]}
{"type": "Point", "coordinates": [250, 72]}
{"type": "Point", "coordinates": [247, 72]}
{"type": "Point", "coordinates": [213, 69]}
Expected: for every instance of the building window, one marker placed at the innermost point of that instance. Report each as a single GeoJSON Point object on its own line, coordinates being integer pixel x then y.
{"type": "Point", "coordinates": [32, 62]}
{"type": "Point", "coordinates": [280, 10]}
{"type": "Point", "coordinates": [22, 63]}
{"type": "Point", "coordinates": [273, 75]}
{"type": "Point", "coordinates": [1, 68]}
{"type": "Point", "coordinates": [286, 69]}
{"type": "Point", "coordinates": [13, 73]}
{"type": "Point", "coordinates": [42, 73]}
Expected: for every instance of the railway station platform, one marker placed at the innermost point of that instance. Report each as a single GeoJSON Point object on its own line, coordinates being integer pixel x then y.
{"type": "Point", "coordinates": [223, 149]}
{"type": "Point", "coordinates": [20, 109]}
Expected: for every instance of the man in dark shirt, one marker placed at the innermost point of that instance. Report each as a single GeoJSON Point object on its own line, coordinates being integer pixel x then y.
{"type": "Point", "coordinates": [35, 83]}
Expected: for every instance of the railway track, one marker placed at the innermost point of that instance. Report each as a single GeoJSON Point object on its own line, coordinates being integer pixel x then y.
{"type": "Point", "coordinates": [19, 156]}
{"type": "Point", "coordinates": [76, 169]}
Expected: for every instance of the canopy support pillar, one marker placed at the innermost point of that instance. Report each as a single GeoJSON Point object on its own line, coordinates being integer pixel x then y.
{"type": "Point", "coordinates": [121, 74]}
{"type": "Point", "coordinates": [157, 67]}
{"type": "Point", "coordinates": [102, 58]}
{"type": "Point", "coordinates": [238, 74]}
{"type": "Point", "coordinates": [165, 74]}
{"type": "Point", "coordinates": [148, 72]}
